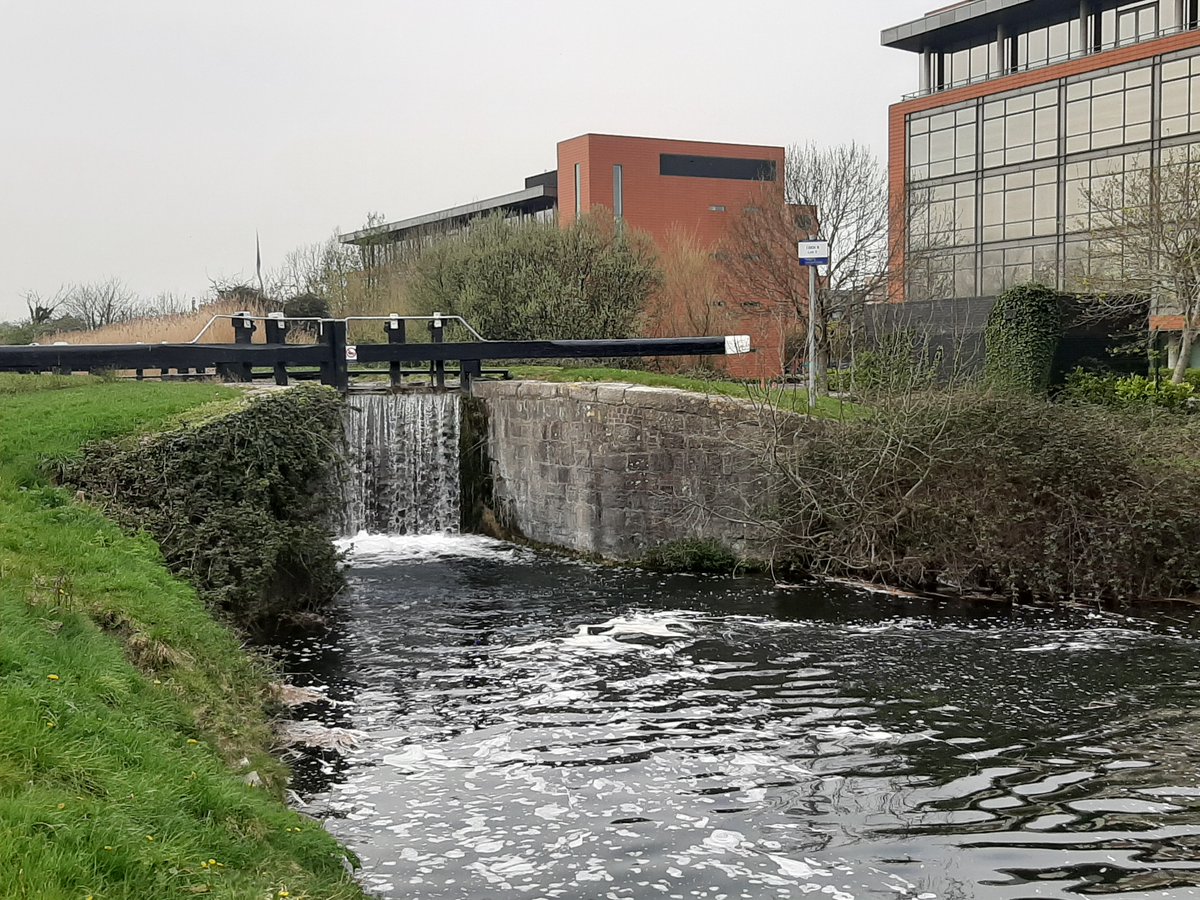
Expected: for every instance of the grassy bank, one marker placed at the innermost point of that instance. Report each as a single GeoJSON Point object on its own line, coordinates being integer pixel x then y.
{"type": "Point", "coordinates": [790, 398]}
{"type": "Point", "coordinates": [127, 710]}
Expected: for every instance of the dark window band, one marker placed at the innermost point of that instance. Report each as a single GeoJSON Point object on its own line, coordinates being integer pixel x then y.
{"type": "Point", "coordinates": [717, 167]}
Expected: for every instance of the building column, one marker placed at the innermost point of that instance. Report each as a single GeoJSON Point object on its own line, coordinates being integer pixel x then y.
{"type": "Point", "coordinates": [1001, 61]}
{"type": "Point", "coordinates": [1181, 15]}
{"type": "Point", "coordinates": [926, 66]}
{"type": "Point", "coordinates": [1085, 37]}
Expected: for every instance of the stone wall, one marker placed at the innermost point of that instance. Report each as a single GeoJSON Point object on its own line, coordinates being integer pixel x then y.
{"type": "Point", "coordinates": [615, 469]}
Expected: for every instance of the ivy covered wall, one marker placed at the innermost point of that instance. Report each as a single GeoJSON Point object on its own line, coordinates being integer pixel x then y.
{"type": "Point", "coordinates": [240, 501]}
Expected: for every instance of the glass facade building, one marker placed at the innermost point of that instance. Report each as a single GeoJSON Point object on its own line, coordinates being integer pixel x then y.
{"type": "Point", "coordinates": [1028, 110]}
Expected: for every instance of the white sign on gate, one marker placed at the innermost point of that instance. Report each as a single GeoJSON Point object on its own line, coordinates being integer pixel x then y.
{"type": "Point", "coordinates": [351, 353]}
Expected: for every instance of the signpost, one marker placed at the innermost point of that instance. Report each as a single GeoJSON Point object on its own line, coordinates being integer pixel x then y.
{"type": "Point", "coordinates": [813, 254]}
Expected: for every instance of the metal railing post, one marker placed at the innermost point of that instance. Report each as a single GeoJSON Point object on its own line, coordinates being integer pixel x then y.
{"type": "Point", "coordinates": [243, 333]}
{"type": "Point", "coordinates": [469, 370]}
{"type": "Point", "coordinates": [276, 328]}
{"type": "Point", "coordinates": [395, 335]}
{"type": "Point", "coordinates": [335, 372]}
{"type": "Point", "coordinates": [437, 334]}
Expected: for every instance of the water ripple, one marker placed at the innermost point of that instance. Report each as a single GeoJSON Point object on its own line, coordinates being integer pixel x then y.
{"type": "Point", "coordinates": [560, 730]}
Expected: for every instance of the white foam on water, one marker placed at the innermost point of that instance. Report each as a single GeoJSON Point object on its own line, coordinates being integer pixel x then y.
{"type": "Point", "coordinates": [366, 549]}
{"type": "Point", "coordinates": [1077, 641]}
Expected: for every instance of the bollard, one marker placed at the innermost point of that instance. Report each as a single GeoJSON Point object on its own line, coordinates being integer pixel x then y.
{"type": "Point", "coordinates": [243, 328]}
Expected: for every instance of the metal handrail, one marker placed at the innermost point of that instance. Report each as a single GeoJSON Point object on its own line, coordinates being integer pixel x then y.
{"type": "Point", "coordinates": [276, 317]}
{"type": "Point", "coordinates": [1051, 61]}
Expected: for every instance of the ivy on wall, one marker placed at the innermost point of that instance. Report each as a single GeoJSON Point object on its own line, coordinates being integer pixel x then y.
{"type": "Point", "coordinates": [1022, 335]}
{"type": "Point", "coordinates": [240, 503]}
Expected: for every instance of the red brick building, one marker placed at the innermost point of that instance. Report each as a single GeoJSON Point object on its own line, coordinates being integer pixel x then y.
{"type": "Point", "coordinates": [656, 186]}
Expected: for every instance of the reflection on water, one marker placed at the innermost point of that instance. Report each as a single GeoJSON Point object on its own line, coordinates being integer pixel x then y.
{"type": "Point", "coordinates": [564, 731]}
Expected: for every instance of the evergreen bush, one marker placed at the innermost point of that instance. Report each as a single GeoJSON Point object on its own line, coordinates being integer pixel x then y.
{"type": "Point", "coordinates": [1128, 391]}
{"type": "Point", "coordinates": [1023, 332]}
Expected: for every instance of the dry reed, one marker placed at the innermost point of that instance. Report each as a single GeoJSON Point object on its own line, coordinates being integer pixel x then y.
{"type": "Point", "coordinates": [174, 329]}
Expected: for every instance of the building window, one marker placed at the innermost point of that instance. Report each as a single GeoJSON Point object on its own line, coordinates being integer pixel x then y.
{"type": "Point", "coordinates": [716, 167]}
{"type": "Point", "coordinates": [1096, 182]}
{"type": "Point", "coordinates": [618, 192]}
{"type": "Point", "coordinates": [1020, 129]}
{"type": "Point", "coordinates": [939, 275]}
{"type": "Point", "coordinates": [1108, 111]}
{"type": "Point", "coordinates": [1008, 266]}
{"type": "Point", "coordinates": [1181, 96]}
{"type": "Point", "coordinates": [716, 208]}
{"type": "Point", "coordinates": [1137, 21]}
{"type": "Point", "coordinates": [942, 144]}
{"type": "Point", "coordinates": [972, 64]}
{"type": "Point", "coordinates": [943, 215]}
{"type": "Point", "coordinates": [578, 189]}
{"type": "Point", "coordinates": [1020, 205]}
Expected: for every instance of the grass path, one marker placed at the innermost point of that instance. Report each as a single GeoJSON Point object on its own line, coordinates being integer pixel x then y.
{"type": "Point", "coordinates": [790, 398]}
{"type": "Point", "coordinates": [125, 707]}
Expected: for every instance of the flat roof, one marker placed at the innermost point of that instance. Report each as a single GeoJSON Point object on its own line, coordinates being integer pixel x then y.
{"type": "Point", "coordinates": [961, 23]}
{"type": "Point", "coordinates": [662, 140]}
{"type": "Point", "coordinates": [530, 200]}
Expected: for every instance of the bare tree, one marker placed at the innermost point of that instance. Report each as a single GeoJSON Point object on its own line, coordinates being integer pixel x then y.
{"type": "Point", "coordinates": [102, 303]}
{"type": "Point", "coordinates": [166, 303]}
{"type": "Point", "coordinates": [42, 308]}
{"type": "Point", "coordinates": [326, 269]}
{"type": "Point", "coordinates": [691, 300]}
{"type": "Point", "coordinates": [1145, 243]}
{"type": "Point", "coordinates": [839, 194]}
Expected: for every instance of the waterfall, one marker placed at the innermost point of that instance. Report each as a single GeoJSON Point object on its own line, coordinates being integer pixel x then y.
{"type": "Point", "coordinates": [402, 468]}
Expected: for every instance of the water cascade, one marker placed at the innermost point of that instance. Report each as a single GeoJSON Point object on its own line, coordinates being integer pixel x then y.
{"type": "Point", "coordinates": [402, 468]}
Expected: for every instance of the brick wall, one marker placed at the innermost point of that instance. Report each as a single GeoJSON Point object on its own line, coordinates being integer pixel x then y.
{"type": "Point", "coordinates": [659, 204]}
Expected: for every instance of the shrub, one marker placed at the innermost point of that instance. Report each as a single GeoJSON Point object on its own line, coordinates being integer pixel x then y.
{"type": "Point", "coordinates": [1002, 493]}
{"type": "Point", "coordinates": [898, 362]}
{"type": "Point", "coordinates": [691, 555]}
{"type": "Point", "coordinates": [1191, 376]}
{"type": "Point", "coordinates": [306, 306]}
{"type": "Point", "coordinates": [1130, 391]}
{"type": "Point", "coordinates": [1022, 335]}
{"type": "Point", "coordinates": [535, 280]}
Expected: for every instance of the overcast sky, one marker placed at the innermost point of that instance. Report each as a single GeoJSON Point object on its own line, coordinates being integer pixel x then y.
{"type": "Point", "coordinates": [150, 139]}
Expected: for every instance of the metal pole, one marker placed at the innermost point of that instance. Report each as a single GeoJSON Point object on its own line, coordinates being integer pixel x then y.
{"type": "Point", "coordinates": [812, 338]}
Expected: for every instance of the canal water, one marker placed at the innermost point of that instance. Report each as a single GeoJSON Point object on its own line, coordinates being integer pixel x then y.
{"type": "Point", "coordinates": [532, 727]}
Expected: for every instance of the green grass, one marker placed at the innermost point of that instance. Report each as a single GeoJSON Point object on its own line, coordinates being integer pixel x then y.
{"type": "Point", "coordinates": [125, 707]}
{"type": "Point", "coordinates": [32, 384]}
{"type": "Point", "coordinates": [790, 398]}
